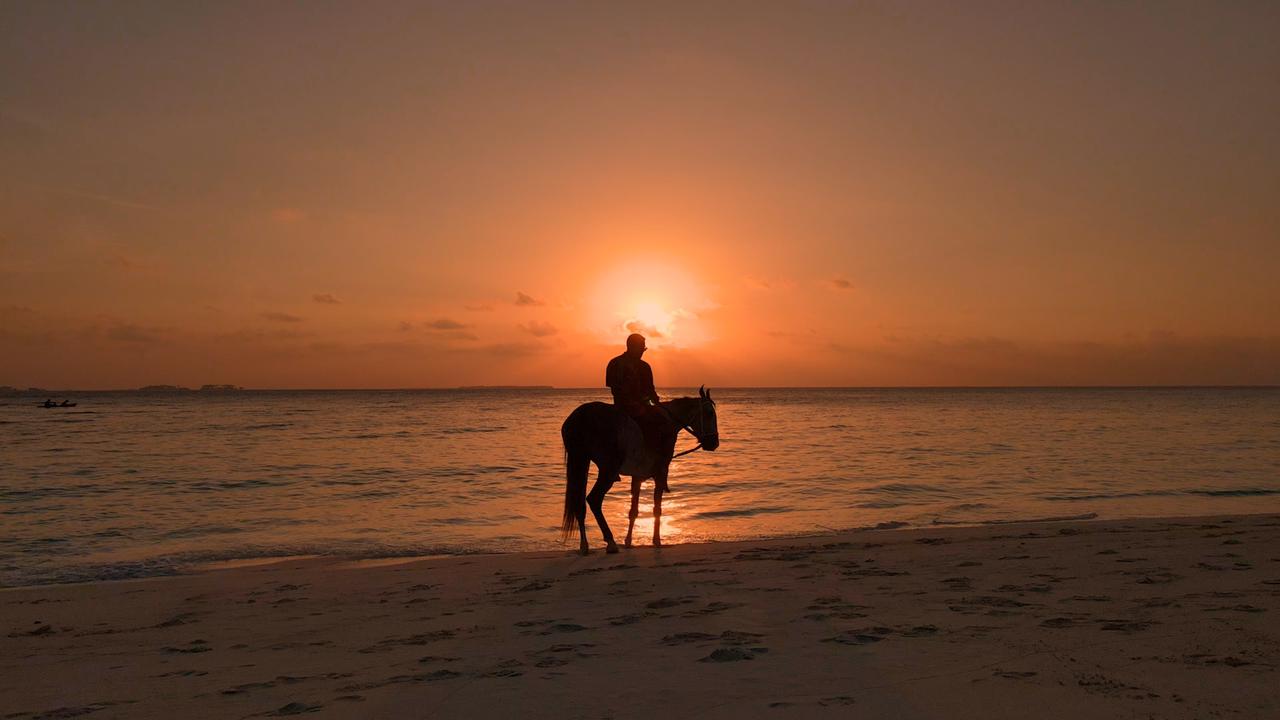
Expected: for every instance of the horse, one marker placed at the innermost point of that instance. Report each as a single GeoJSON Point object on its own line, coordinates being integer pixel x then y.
{"type": "Point", "coordinates": [601, 433]}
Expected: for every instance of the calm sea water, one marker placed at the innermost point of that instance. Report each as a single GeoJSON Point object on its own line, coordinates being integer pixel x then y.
{"type": "Point", "coordinates": [130, 484]}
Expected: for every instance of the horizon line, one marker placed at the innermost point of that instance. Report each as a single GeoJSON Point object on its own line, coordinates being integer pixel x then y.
{"type": "Point", "coordinates": [182, 389]}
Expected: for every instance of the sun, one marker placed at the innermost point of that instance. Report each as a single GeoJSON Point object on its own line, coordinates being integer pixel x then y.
{"type": "Point", "coordinates": [651, 316]}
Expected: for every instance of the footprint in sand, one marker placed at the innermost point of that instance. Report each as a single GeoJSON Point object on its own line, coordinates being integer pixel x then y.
{"type": "Point", "coordinates": [195, 646]}
{"type": "Point", "coordinates": [563, 628]}
{"type": "Point", "coordinates": [733, 654]}
{"type": "Point", "coordinates": [663, 603]}
{"type": "Point", "coordinates": [687, 637]}
{"type": "Point", "coordinates": [854, 637]}
{"type": "Point", "coordinates": [626, 619]}
{"type": "Point", "coordinates": [504, 669]}
{"type": "Point", "coordinates": [293, 708]}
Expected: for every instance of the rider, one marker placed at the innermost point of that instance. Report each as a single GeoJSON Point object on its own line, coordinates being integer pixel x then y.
{"type": "Point", "coordinates": [631, 380]}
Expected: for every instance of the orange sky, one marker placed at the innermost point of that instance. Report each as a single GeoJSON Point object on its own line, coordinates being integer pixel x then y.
{"type": "Point", "coordinates": [385, 195]}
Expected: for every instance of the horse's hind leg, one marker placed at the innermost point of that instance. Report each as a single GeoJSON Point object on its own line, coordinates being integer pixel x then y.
{"type": "Point", "coordinates": [635, 508]}
{"type": "Point", "coordinates": [583, 547]}
{"type": "Point", "coordinates": [657, 515]}
{"type": "Point", "coordinates": [595, 498]}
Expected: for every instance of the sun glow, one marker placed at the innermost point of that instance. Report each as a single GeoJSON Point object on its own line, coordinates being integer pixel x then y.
{"type": "Point", "coordinates": [661, 302]}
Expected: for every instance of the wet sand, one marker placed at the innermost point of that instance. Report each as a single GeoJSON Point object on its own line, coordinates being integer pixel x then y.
{"type": "Point", "coordinates": [1176, 618]}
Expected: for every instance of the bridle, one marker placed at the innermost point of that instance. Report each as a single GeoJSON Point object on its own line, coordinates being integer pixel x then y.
{"type": "Point", "coordinates": [688, 426]}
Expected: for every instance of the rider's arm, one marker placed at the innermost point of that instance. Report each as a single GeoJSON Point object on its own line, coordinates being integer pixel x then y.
{"type": "Point", "coordinates": [648, 379]}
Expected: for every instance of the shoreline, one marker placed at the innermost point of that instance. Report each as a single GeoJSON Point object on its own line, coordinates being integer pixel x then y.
{"type": "Point", "coordinates": [1171, 617]}
{"type": "Point", "coordinates": [184, 567]}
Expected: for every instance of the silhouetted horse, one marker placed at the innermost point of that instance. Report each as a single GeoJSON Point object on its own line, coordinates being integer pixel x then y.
{"type": "Point", "coordinates": [601, 433]}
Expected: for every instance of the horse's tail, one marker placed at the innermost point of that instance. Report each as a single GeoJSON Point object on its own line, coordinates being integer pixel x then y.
{"type": "Point", "coordinates": [576, 466]}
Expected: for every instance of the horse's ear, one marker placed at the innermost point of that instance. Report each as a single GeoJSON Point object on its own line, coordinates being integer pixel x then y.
{"type": "Point", "coordinates": [708, 394]}
{"type": "Point", "coordinates": [702, 391]}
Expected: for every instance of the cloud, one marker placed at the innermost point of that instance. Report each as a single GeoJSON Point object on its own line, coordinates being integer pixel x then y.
{"type": "Point", "coordinates": [636, 326]}
{"type": "Point", "coordinates": [254, 335]}
{"type": "Point", "coordinates": [404, 326]}
{"type": "Point", "coordinates": [482, 307]}
{"type": "Point", "coordinates": [326, 299]}
{"type": "Point", "coordinates": [445, 324]}
{"type": "Point", "coordinates": [527, 301]}
{"type": "Point", "coordinates": [763, 283]}
{"type": "Point", "coordinates": [130, 333]}
{"type": "Point", "coordinates": [281, 317]}
{"type": "Point", "coordinates": [539, 329]}
{"type": "Point", "coordinates": [841, 284]}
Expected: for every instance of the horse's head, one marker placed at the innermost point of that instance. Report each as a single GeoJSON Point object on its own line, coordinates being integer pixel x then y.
{"type": "Point", "coordinates": [703, 424]}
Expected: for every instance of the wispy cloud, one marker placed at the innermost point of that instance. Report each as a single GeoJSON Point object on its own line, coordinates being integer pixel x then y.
{"type": "Point", "coordinates": [527, 301]}
{"type": "Point", "coordinates": [647, 330]}
{"type": "Point", "coordinates": [841, 284]}
{"type": "Point", "coordinates": [539, 329]}
{"type": "Point", "coordinates": [446, 328]}
{"type": "Point", "coordinates": [281, 317]}
{"type": "Point", "coordinates": [445, 324]}
{"type": "Point", "coordinates": [480, 307]}
{"type": "Point", "coordinates": [326, 299]}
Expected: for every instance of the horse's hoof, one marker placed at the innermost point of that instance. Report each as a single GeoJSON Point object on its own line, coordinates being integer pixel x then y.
{"type": "Point", "coordinates": [657, 542]}
{"type": "Point", "coordinates": [611, 548]}
{"type": "Point", "coordinates": [584, 550]}
{"type": "Point", "coordinates": [627, 545]}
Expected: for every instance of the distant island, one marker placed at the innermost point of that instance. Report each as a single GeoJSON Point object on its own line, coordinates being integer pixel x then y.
{"type": "Point", "coordinates": [505, 387]}
{"type": "Point", "coordinates": [181, 389]}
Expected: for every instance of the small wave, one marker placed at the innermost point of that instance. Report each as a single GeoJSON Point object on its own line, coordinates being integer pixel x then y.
{"type": "Point", "coordinates": [879, 504]}
{"type": "Point", "coordinates": [1229, 492]}
{"type": "Point", "coordinates": [201, 531]}
{"type": "Point", "coordinates": [462, 431]}
{"type": "Point", "coordinates": [1053, 518]}
{"type": "Point", "coordinates": [970, 506]}
{"type": "Point", "coordinates": [901, 489]}
{"type": "Point", "coordinates": [1244, 492]}
{"type": "Point", "coordinates": [740, 512]}
{"type": "Point", "coordinates": [890, 525]}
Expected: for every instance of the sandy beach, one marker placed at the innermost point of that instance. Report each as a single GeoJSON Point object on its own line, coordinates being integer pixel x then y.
{"type": "Point", "coordinates": [1108, 619]}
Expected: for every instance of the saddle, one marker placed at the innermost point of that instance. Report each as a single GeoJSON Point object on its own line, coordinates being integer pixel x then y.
{"type": "Point", "coordinates": [654, 432]}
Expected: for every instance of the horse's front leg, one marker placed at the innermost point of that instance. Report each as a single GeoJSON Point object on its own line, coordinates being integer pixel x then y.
{"type": "Point", "coordinates": [595, 498]}
{"type": "Point", "coordinates": [635, 508]}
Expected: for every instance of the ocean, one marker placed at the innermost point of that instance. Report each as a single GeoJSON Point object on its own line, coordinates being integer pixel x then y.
{"type": "Point", "coordinates": [131, 484]}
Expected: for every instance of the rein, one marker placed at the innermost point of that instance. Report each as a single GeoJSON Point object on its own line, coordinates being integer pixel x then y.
{"type": "Point", "coordinates": [686, 452]}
